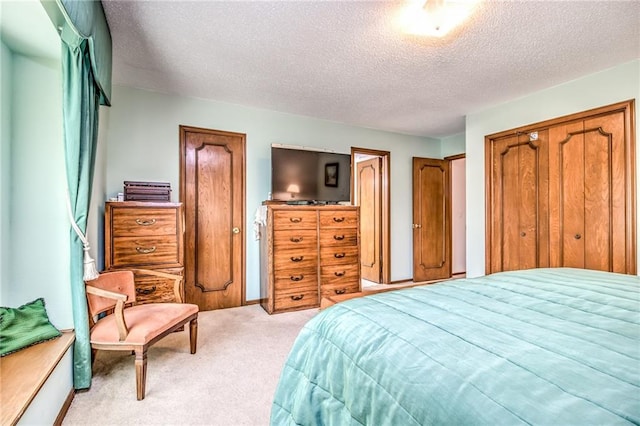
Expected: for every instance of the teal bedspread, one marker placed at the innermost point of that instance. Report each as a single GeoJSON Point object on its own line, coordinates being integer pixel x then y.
{"type": "Point", "coordinates": [544, 347]}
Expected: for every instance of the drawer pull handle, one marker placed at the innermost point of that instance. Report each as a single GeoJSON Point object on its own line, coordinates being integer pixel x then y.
{"type": "Point", "coordinates": [143, 250]}
{"type": "Point", "coordinates": [338, 237]}
{"type": "Point", "coordinates": [297, 258]}
{"type": "Point", "coordinates": [339, 255]}
{"type": "Point", "coordinates": [298, 297]}
{"type": "Point", "coordinates": [297, 277]}
{"type": "Point", "coordinates": [295, 239]}
{"type": "Point", "coordinates": [339, 274]}
{"type": "Point", "coordinates": [295, 219]}
{"type": "Point", "coordinates": [145, 222]}
{"type": "Point", "coordinates": [338, 219]}
{"type": "Point", "coordinates": [340, 290]}
{"type": "Point", "coordinates": [145, 291]}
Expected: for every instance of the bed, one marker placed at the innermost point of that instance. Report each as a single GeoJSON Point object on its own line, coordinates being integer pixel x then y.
{"type": "Point", "coordinates": [540, 346]}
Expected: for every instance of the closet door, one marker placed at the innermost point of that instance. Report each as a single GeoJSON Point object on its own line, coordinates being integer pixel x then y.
{"type": "Point", "coordinates": [588, 193]}
{"type": "Point", "coordinates": [519, 197]}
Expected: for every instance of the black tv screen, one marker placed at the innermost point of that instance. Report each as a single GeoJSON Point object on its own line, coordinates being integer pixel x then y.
{"type": "Point", "coordinates": [299, 176]}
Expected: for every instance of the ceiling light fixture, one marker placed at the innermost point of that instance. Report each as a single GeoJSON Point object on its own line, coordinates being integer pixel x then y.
{"type": "Point", "coordinates": [435, 18]}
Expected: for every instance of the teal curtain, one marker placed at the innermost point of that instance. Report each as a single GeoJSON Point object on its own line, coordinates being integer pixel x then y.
{"type": "Point", "coordinates": [81, 101]}
{"type": "Point", "coordinates": [86, 84]}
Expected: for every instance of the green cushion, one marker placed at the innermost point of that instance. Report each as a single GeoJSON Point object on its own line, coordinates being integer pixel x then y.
{"type": "Point", "coordinates": [25, 326]}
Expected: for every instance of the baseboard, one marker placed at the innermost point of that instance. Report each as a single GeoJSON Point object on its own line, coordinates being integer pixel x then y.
{"type": "Point", "coordinates": [408, 280]}
{"type": "Point", "coordinates": [64, 408]}
{"type": "Point", "coordinates": [254, 302]}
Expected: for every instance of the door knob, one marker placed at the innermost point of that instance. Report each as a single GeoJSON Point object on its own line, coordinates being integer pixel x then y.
{"type": "Point", "coordinates": [236, 230]}
{"type": "Point", "coordinates": [577, 236]}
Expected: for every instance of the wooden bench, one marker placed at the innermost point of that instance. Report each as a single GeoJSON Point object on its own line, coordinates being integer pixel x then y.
{"type": "Point", "coordinates": [332, 300]}
{"type": "Point", "coordinates": [24, 373]}
{"type": "Point", "coordinates": [325, 302]}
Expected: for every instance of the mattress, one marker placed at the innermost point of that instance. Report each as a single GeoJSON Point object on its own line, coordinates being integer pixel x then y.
{"type": "Point", "coordinates": [540, 346]}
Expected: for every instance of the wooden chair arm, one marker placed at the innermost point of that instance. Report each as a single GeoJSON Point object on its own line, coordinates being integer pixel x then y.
{"type": "Point", "coordinates": [177, 284]}
{"type": "Point", "coordinates": [118, 311]}
{"type": "Point", "coordinates": [105, 293]}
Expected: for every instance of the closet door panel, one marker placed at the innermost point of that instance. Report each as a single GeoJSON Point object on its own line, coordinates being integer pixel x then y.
{"type": "Point", "coordinates": [528, 211]}
{"type": "Point", "coordinates": [510, 206]}
{"type": "Point", "coordinates": [605, 223]}
{"type": "Point", "coordinates": [572, 198]}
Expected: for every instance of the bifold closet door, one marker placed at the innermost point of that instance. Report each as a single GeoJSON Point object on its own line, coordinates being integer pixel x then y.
{"type": "Point", "coordinates": [519, 198]}
{"type": "Point", "coordinates": [588, 175]}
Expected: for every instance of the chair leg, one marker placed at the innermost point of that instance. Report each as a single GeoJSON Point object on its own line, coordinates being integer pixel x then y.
{"type": "Point", "coordinates": [193, 334]}
{"type": "Point", "coordinates": [141, 372]}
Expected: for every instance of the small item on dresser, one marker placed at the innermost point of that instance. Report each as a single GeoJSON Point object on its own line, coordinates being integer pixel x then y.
{"type": "Point", "coordinates": [147, 191]}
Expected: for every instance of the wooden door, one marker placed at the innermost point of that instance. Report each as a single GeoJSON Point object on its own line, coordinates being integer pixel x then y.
{"type": "Point", "coordinates": [519, 199]}
{"type": "Point", "coordinates": [369, 198]}
{"type": "Point", "coordinates": [587, 166]}
{"type": "Point", "coordinates": [431, 225]}
{"type": "Point", "coordinates": [212, 190]}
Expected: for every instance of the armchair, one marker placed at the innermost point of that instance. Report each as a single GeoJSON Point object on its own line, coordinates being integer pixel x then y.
{"type": "Point", "coordinates": [130, 327]}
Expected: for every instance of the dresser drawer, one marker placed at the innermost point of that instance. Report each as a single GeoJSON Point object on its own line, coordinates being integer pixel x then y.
{"type": "Point", "coordinates": [335, 289]}
{"type": "Point", "coordinates": [339, 255]}
{"type": "Point", "coordinates": [295, 260]}
{"type": "Point", "coordinates": [306, 297]}
{"type": "Point", "coordinates": [338, 219]}
{"type": "Point", "coordinates": [339, 237]}
{"type": "Point", "coordinates": [337, 274]}
{"type": "Point", "coordinates": [289, 239]}
{"type": "Point", "coordinates": [129, 251]}
{"type": "Point", "coordinates": [153, 289]}
{"type": "Point", "coordinates": [289, 280]}
{"type": "Point", "coordinates": [296, 219]}
{"type": "Point", "coordinates": [131, 221]}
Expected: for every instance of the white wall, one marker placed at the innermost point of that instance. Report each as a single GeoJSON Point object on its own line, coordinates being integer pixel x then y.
{"type": "Point", "coordinates": [607, 87]}
{"type": "Point", "coordinates": [39, 237]}
{"type": "Point", "coordinates": [143, 144]}
{"type": "Point", "coordinates": [458, 216]}
{"type": "Point", "coordinates": [452, 145]}
{"type": "Point", "coordinates": [6, 68]}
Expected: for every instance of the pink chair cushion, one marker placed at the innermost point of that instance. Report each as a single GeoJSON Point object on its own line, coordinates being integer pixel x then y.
{"type": "Point", "coordinates": [144, 321]}
{"type": "Point", "coordinates": [116, 281]}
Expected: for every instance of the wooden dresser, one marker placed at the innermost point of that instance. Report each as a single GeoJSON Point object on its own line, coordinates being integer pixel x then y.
{"type": "Point", "coordinates": [145, 235]}
{"type": "Point", "coordinates": [307, 252]}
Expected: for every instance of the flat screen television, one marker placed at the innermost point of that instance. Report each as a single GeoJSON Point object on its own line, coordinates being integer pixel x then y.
{"type": "Point", "coordinates": [300, 176]}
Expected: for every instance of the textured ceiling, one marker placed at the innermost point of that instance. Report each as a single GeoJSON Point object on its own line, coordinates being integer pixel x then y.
{"type": "Point", "coordinates": [346, 61]}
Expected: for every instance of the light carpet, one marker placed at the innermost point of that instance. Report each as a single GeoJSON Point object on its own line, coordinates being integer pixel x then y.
{"type": "Point", "coordinates": [229, 381]}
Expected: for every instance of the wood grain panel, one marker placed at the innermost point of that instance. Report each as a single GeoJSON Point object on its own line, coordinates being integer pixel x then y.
{"type": "Point", "coordinates": [295, 219]}
{"type": "Point", "coordinates": [295, 259]}
{"type": "Point", "coordinates": [212, 171]}
{"type": "Point", "coordinates": [287, 284]}
{"type": "Point", "coordinates": [300, 298]}
{"type": "Point", "coordinates": [343, 287]}
{"type": "Point", "coordinates": [572, 198]}
{"type": "Point", "coordinates": [295, 238]}
{"type": "Point", "coordinates": [338, 219]}
{"type": "Point", "coordinates": [370, 200]}
{"type": "Point", "coordinates": [331, 275]}
{"type": "Point", "coordinates": [339, 255]}
{"type": "Point", "coordinates": [528, 208]}
{"type": "Point", "coordinates": [290, 279]}
{"type": "Point", "coordinates": [136, 221]}
{"type": "Point", "coordinates": [586, 193]}
{"type": "Point", "coordinates": [135, 251]}
{"type": "Point", "coordinates": [605, 224]}
{"type": "Point", "coordinates": [153, 289]}
{"type": "Point", "coordinates": [339, 237]}
{"type": "Point", "coordinates": [432, 230]}
{"type": "Point", "coordinates": [510, 207]}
